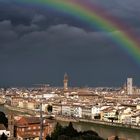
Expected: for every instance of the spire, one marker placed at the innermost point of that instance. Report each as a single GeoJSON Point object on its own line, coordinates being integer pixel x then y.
{"type": "Point", "coordinates": [65, 82]}
{"type": "Point", "coordinates": [65, 76]}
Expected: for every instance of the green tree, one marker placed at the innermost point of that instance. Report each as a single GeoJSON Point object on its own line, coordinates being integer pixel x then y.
{"type": "Point", "coordinates": [49, 108]}
{"type": "Point", "coordinates": [64, 137]}
{"type": "Point", "coordinates": [70, 131]}
{"type": "Point", "coordinates": [97, 117]}
{"type": "Point", "coordinates": [48, 137]}
{"type": "Point", "coordinates": [57, 131]}
{"type": "Point", "coordinates": [116, 138]}
{"type": "Point", "coordinates": [3, 119]}
{"type": "Point", "coordinates": [117, 114]}
{"type": "Point", "coordinates": [89, 132]}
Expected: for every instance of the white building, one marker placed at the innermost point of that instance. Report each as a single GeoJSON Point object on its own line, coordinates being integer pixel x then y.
{"type": "Point", "coordinates": [76, 111]}
{"type": "Point", "coordinates": [125, 116]}
{"type": "Point", "coordinates": [129, 86]}
{"type": "Point", "coordinates": [135, 119]}
{"type": "Point", "coordinates": [49, 95]}
{"type": "Point", "coordinates": [66, 110]}
{"type": "Point", "coordinates": [95, 111]}
{"type": "Point", "coordinates": [138, 106]}
{"type": "Point", "coordinates": [57, 109]}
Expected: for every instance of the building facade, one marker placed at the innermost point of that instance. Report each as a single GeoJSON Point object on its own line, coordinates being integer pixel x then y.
{"type": "Point", "coordinates": [129, 86]}
{"type": "Point", "coordinates": [29, 128]}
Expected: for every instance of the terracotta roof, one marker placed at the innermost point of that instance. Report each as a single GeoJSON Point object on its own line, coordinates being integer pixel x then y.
{"type": "Point", "coordinates": [32, 120]}
{"type": "Point", "coordinates": [23, 121]}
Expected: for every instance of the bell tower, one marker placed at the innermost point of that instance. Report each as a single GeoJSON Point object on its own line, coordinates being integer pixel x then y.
{"type": "Point", "coordinates": [65, 82]}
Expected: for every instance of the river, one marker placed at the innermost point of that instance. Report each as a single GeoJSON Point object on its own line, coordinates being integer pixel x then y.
{"type": "Point", "coordinates": [103, 131]}
{"type": "Point", "coordinates": [106, 131]}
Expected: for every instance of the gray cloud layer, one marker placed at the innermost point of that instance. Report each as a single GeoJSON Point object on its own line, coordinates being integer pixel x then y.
{"type": "Point", "coordinates": [40, 47]}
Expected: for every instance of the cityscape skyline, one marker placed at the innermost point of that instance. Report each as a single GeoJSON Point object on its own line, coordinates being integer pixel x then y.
{"type": "Point", "coordinates": [129, 84]}
{"type": "Point", "coordinates": [39, 43]}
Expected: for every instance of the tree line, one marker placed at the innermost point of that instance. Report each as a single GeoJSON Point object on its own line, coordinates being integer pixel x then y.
{"type": "Point", "coordinates": [69, 133]}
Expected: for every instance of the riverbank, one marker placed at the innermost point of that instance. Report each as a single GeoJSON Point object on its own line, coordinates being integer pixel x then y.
{"type": "Point", "coordinates": [105, 131]}
{"type": "Point", "coordinates": [66, 119]}
{"type": "Point", "coordinates": [110, 124]}
{"type": "Point", "coordinates": [71, 119]}
{"type": "Point", "coordinates": [20, 110]}
{"type": "Point", "coordinates": [98, 122]}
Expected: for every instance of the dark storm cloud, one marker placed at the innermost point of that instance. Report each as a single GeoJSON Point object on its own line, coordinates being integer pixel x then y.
{"type": "Point", "coordinates": [25, 14]}
{"type": "Point", "coordinates": [60, 37]}
{"type": "Point", "coordinates": [57, 49]}
{"type": "Point", "coordinates": [39, 45]}
{"type": "Point", "coordinates": [16, 14]}
{"type": "Point", "coordinates": [7, 35]}
{"type": "Point", "coordinates": [126, 6]}
{"type": "Point", "coordinates": [127, 10]}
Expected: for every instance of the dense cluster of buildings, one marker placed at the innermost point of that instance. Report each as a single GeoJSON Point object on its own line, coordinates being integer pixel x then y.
{"type": "Point", "coordinates": [118, 105]}
{"type": "Point", "coordinates": [26, 128]}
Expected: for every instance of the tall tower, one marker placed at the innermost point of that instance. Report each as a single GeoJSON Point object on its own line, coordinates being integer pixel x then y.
{"type": "Point", "coordinates": [65, 82]}
{"type": "Point", "coordinates": [129, 86]}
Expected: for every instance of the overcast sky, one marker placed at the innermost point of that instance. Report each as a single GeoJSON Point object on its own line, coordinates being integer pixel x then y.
{"type": "Point", "coordinates": [38, 45]}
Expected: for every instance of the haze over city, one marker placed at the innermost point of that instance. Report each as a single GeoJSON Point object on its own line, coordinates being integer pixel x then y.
{"type": "Point", "coordinates": [38, 44]}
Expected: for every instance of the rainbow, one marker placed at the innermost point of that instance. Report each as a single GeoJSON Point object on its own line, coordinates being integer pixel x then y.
{"type": "Point", "coordinates": [86, 11]}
